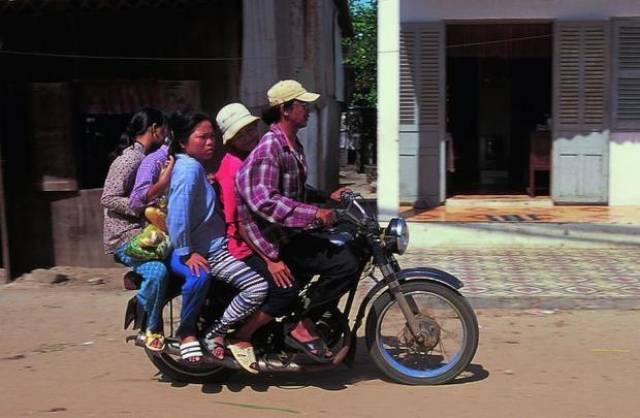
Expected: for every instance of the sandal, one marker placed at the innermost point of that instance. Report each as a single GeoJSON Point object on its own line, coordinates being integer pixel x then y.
{"type": "Point", "coordinates": [245, 357]}
{"type": "Point", "coordinates": [214, 346]}
{"type": "Point", "coordinates": [191, 353]}
{"type": "Point", "coordinates": [153, 337]}
{"type": "Point", "coordinates": [316, 348]}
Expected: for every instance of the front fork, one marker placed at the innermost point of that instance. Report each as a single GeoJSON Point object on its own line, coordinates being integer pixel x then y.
{"type": "Point", "coordinates": [406, 303]}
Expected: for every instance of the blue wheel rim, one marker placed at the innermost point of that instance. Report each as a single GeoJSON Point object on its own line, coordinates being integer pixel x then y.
{"type": "Point", "coordinates": [422, 374]}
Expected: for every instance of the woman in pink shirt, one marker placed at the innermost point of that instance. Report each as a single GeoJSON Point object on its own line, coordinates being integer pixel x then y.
{"type": "Point", "coordinates": [240, 136]}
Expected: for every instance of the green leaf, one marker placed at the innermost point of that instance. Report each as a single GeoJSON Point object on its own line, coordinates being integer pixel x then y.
{"type": "Point", "coordinates": [362, 52]}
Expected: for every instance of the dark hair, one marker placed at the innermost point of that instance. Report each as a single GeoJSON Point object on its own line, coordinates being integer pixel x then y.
{"type": "Point", "coordinates": [137, 126]}
{"type": "Point", "coordinates": [182, 126]}
{"type": "Point", "coordinates": [272, 114]}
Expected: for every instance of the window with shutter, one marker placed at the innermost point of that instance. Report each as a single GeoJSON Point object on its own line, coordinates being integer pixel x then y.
{"type": "Point", "coordinates": [594, 63]}
{"type": "Point", "coordinates": [581, 77]}
{"type": "Point", "coordinates": [626, 79]}
{"type": "Point", "coordinates": [430, 76]}
{"type": "Point", "coordinates": [568, 78]}
{"type": "Point", "coordinates": [407, 84]}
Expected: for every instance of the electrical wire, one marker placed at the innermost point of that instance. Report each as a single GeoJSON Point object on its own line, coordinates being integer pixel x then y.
{"type": "Point", "coordinates": [525, 38]}
{"type": "Point", "coordinates": [128, 58]}
{"type": "Point", "coordinates": [209, 59]}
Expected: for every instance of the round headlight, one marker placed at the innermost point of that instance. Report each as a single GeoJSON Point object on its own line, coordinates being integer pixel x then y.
{"type": "Point", "coordinates": [396, 236]}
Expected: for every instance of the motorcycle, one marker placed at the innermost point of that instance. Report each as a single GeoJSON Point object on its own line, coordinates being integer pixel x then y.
{"type": "Point", "coordinates": [419, 329]}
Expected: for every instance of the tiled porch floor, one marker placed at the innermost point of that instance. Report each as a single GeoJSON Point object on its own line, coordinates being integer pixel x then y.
{"type": "Point", "coordinates": [627, 215]}
{"type": "Point", "coordinates": [606, 277]}
{"type": "Point", "coordinates": [502, 208]}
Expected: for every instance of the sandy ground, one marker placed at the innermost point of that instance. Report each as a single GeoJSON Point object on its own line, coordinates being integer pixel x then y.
{"type": "Point", "coordinates": [64, 355]}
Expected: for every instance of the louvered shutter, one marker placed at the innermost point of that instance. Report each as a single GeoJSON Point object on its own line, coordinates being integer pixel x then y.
{"type": "Point", "coordinates": [408, 87]}
{"type": "Point", "coordinates": [580, 146]}
{"type": "Point", "coordinates": [626, 79]}
{"type": "Point", "coordinates": [422, 111]}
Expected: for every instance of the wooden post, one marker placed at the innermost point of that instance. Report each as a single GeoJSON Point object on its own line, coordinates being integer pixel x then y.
{"type": "Point", "coordinates": [4, 233]}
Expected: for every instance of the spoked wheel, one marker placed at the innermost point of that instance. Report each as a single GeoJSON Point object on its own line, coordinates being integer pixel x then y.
{"type": "Point", "coordinates": [446, 343]}
{"type": "Point", "coordinates": [169, 362]}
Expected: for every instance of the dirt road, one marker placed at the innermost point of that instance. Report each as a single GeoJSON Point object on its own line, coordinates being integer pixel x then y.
{"type": "Point", "coordinates": [63, 354]}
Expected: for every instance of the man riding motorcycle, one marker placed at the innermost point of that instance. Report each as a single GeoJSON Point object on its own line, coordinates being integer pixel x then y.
{"type": "Point", "coordinates": [271, 185]}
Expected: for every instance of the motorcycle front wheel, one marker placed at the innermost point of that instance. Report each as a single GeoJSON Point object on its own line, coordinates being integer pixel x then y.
{"type": "Point", "coordinates": [171, 365]}
{"type": "Point", "coordinates": [446, 343]}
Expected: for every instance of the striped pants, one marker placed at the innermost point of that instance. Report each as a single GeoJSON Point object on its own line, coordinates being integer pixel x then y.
{"type": "Point", "coordinates": [252, 289]}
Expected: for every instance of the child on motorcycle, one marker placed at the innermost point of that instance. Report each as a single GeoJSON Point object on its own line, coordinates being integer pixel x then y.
{"type": "Point", "coordinates": [197, 233]}
{"type": "Point", "coordinates": [240, 135]}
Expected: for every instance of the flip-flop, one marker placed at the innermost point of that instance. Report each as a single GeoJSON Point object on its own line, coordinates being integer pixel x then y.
{"type": "Point", "coordinates": [315, 349]}
{"type": "Point", "coordinates": [191, 350]}
{"type": "Point", "coordinates": [245, 357]}
{"type": "Point", "coordinates": [150, 337]}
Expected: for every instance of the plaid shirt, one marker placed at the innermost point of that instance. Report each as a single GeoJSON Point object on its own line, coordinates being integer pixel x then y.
{"type": "Point", "coordinates": [271, 188]}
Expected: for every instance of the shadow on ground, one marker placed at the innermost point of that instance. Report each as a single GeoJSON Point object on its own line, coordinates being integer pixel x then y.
{"type": "Point", "coordinates": [340, 378]}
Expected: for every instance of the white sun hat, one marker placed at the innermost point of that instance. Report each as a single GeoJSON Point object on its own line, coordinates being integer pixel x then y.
{"type": "Point", "coordinates": [232, 118]}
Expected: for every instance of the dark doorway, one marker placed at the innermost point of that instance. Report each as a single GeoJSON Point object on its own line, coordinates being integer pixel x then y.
{"type": "Point", "coordinates": [498, 96]}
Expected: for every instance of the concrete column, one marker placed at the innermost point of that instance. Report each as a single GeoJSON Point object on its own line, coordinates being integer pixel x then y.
{"type": "Point", "coordinates": [388, 106]}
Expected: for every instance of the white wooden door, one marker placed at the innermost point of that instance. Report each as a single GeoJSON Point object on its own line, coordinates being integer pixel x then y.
{"type": "Point", "coordinates": [422, 113]}
{"type": "Point", "coordinates": [580, 112]}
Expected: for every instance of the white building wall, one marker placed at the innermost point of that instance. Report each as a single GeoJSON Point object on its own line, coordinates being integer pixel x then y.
{"type": "Point", "coordinates": [624, 169]}
{"type": "Point", "coordinates": [624, 149]}
{"type": "Point", "coordinates": [433, 10]}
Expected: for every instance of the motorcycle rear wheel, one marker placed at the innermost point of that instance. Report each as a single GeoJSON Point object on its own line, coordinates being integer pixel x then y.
{"type": "Point", "coordinates": [448, 325]}
{"type": "Point", "coordinates": [171, 366]}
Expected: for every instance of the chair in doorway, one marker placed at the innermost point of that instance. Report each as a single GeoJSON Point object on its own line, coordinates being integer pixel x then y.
{"type": "Point", "coordinates": [539, 158]}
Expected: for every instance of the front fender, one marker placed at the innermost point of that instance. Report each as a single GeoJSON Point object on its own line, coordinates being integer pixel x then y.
{"type": "Point", "coordinates": [429, 274]}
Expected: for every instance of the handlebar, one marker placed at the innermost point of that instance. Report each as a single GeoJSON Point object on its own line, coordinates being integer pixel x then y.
{"type": "Point", "coordinates": [349, 200]}
{"type": "Point", "coordinates": [349, 210]}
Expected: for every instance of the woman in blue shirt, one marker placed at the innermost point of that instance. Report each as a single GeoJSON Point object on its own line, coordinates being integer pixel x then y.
{"type": "Point", "coordinates": [197, 232]}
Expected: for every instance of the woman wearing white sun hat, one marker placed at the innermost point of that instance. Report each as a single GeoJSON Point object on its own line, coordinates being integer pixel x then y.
{"type": "Point", "coordinates": [240, 135]}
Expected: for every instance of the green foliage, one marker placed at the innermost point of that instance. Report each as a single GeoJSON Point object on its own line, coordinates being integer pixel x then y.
{"type": "Point", "coordinates": [362, 56]}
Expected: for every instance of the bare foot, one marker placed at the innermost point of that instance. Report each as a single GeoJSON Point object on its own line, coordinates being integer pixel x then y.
{"type": "Point", "coordinates": [304, 332]}
{"type": "Point", "coordinates": [216, 348]}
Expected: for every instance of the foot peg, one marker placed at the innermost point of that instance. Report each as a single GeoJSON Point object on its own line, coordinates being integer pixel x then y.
{"type": "Point", "coordinates": [138, 339]}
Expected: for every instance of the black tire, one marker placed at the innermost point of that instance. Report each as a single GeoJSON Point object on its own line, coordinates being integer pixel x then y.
{"type": "Point", "coordinates": [171, 366]}
{"type": "Point", "coordinates": [469, 327]}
